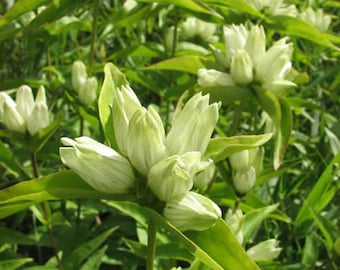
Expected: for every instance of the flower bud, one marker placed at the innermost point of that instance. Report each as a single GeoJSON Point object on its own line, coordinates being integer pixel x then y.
{"type": "Point", "coordinates": [235, 37]}
{"type": "Point", "coordinates": [235, 220]}
{"type": "Point", "coordinates": [241, 68]}
{"type": "Point", "coordinates": [4, 97]}
{"type": "Point", "coordinates": [193, 127]}
{"type": "Point", "coordinates": [79, 75]}
{"type": "Point", "coordinates": [88, 91]}
{"type": "Point", "coordinates": [12, 118]}
{"type": "Point", "coordinates": [146, 137]}
{"type": "Point", "coordinates": [265, 251]}
{"type": "Point", "coordinates": [173, 176]}
{"type": "Point", "coordinates": [25, 101]}
{"type": "Point", "coordinates": [256, 159]}
{"type": "Point", "coordinates": [193, 27]}
{"type": "Point", "coordinates": [203, 178]}
{"type": "Point", "coordinates": [240, 160]}
{"type": "Point", "coordinates": [125, 104]}
{"type": "Point", "coordinates": [256, 44]}
{"type": "Point", "coordinates": [192, 212]}
{"type": "Point", "coordinates": [100, 166]}
{"type": "Point", "coordinates": [212, 78]}
{"type": "Point", "coordinates": [244, 180]}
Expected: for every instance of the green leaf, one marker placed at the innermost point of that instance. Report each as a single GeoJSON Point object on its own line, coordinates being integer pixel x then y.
{"type": "Point", "coordinates": [20, 7]}
{"type": "Point", "coordinates": [62, 185]}
{"type": "Point", "coordinates": [185, 63]}
{"type": "Point", "coordinates": [11, 236]}
{"type": "Point", "coordinates": [8, 160]}
{"type": "Point", "coordinates": [283, 133]}
{"type": "Point", "coordinates": [13, 264]}
{"type": "Point", "coordinates": [254, 218]}
{"type": "Point", "coordinates": [240, 5]}
{"type": "Point", "coordinates": [220, 243]}
{"type": "Point", "coordinates": [53, 12]}
{"type": "Point", "coordinates": [228, 94]}
{"type": "Point", "coordinates": [191, 5]}
{"type": "Point", "coordinates": [206, 246]}
{"type": "Point", "coordinates": [37, 141]}
{"type": "Point", "coordinates": [321, 194]}
{"type": "Point", "coordinates": [221, 148]}
{"type": "Point", "coordinates": [74, 260]}
{"type": "Point", "coordinates": [311, 250]}
{"type": "Point", "coordinates": [113, 78]}
{"type": "Point", "coordinates": [94, 262]}
{"type": "Point", "coordinates": [297, 27]}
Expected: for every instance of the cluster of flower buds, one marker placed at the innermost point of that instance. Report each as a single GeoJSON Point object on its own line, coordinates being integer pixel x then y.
{"type": "Point", "coordinates": [85, 87]}
{"type": "Point", "coordinates": [267, 250]}
{"type": "Point", "coordinates": [25, 113]}
{"type": "Point", "coordinates": [246, 165]}
{"type": "Point", "coordinates": [316, 18]}
{"type": "Point", "coordinates": [248, 61]}
{"type": "Point", "coordinates": [274, 7]}
{"type": "Point", "coordinates": [171, 163]}
{"type": "Point", "coordinates": [193, 27]}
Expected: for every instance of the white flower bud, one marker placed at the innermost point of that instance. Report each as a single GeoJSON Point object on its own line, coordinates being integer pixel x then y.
{"type": "Point", "coordinates": [212, 78]}
{"type": "Point", "coordinates": [244, 180]}
{"type": "Point", "coordinates": [39, 118]}
{"type": "Point", "coordinates": [192, 212]}
{"type": "Point", "coordinates": [88, 91]}
{"type": "Point", "coordinates": [125, 104]}
{"type": "Point", "coordinates": [256, 44]}
{"type": "Point", "coordinates": [4, 97]}
{"type": "Point", "coordinates": [192, 129]}
{"type": "Point", "coordinates": [25, 101]}
{"type": "Point", "coordinates": [79, 75]}
{"type": "Point", "coordinates": [235, 220]}
{"type": "Point", "coordinates": [235, 37]}
{"type": "Point", "coordinates": [241, 68]}
{"type": "Point", "coordinates": [240, 160]}
{"type": "Point", "coordinates": [146, 137]}
{"type": "Point", "coordinates": [99, 165]}
{"type": "Point", "coordinates": [193, 27]}
{"type": "Point", "coordinates": [265, 251]}
{"type": "Point", "coordinates": [12, 118]}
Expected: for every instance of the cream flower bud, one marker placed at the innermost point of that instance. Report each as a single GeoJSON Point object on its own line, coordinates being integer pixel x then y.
{"type": "Point", "coordinates": [173, 176]}
{"type": "Point", "coordinates": [203, 178]}
{"type": "Point", "coordinates": [240, 160]}
{"type": "Point", "coordinates": [256, 44]}
{"type": "Point", "coordinates": [79, 75]}
{"type": "Point", "coordinates": [12, 118]}
{"type": "Point", "coordinates": [235, 220]}
{"type": "Point", "coordinates": [4, 97]}
{"type": "Point", "coordinates": [192, 212]}
{"type": "Point", "coordinates": [241, 68]}
{"type": "Point", "coordinates": [125, 104]}
{"type": "Point", "coordinates": [244, 180]}
{"type": "Point", "coordinates": [265, 251]}
{"type": "Point", "coordinates": [316, 18]}
{"type": "Point", "coordinates": [192, 129]}
{"type": "Point", "coordinates": [25, 101]}
{"type": "Point", "coordinates": [193, 27]}
{"type": "Point", "coordinates": [235, 37]}
{"type": "Point", "coordinates": [88, 91]}
{"type": "Point", "coordinates": [146, 137]}
{"type": "Point", "coordinates": [99, 165]}
{"type": "Point", "coordinates": [212, 78]}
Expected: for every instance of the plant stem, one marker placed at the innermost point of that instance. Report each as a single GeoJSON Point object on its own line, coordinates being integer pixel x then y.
{"type": "Point", "coordinates": [151, 245]}
{"type": "Point", "coordinates": [44, 206]}
{"type": "Point", "coordinates": [93, 36]}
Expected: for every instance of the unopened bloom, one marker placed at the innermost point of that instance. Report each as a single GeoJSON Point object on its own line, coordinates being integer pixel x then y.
{"type": "Point", "coordinates": [85, 87]}
{"type": "Point", "coordinates": [241, 68]}
{"type": "Point", "coordinates": [146, 137]}
{"type": "Point", "coordinates": [193, 27]}
{"type": "Point", "coordinates": [99, 165]}
{"type": "Point", "coordinates": [173, 176]}
{"type": "Point", "coordinates": [274, 7]}
{"type": "Point", "coordinates": [25, 113]}
{"type": "Point", "coordinates": [265, 251]}
{"type": "Point", "coordinates": [192, 212]}
{"type": "Point", "coordinates": [244, 180]}
{"type": "Point", "coordinates": [125, 104]}
{"type": "Point", "coordinates": [212, 77]}
{"type": "Point", "coordinates": [316, 18]}
{"type": "Point", "coordinates": [193, 127]}
{"type": "Point", "coordinates": [239, 160]}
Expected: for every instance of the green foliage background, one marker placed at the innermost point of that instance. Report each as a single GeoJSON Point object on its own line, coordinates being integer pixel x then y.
{"type": "Point", "coordinates": [96, 231]}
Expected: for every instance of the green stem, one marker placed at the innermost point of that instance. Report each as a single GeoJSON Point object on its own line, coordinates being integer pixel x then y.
{"type": "Point", "coordinates": [93, 36]}
{"type": "Point", "coordinates": [44, 206]}
{"type": "Point", "coordinates": [151, 245]}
